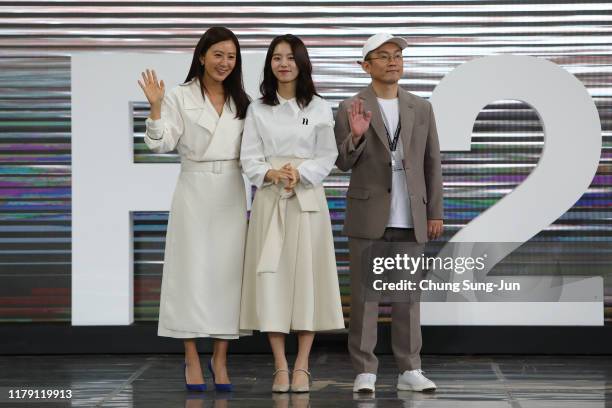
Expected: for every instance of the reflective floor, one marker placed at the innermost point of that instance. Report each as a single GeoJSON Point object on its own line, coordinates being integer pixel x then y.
{"type": "Point", "coordinates": [463, 381]}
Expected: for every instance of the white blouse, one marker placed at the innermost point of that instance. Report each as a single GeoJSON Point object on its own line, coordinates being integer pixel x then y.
{"type": "Point", "coordinates": [190, 123]}
{"type": "Point", "coordinates": [288, 131]}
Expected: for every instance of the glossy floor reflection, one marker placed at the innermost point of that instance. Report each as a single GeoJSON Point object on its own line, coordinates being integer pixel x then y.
{"type": "Point", "coordinates": [463, 381]}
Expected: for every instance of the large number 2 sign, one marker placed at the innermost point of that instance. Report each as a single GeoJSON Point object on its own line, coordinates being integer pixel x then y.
{"type": "Point", "coordinates": [572, 139]}
{"type": "Point", "coordinates": [572, 147]}
{"type": "Point", "coordinates": [107, 186]}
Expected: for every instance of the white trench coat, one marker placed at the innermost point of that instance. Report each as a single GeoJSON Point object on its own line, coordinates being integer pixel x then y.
{"type": "Point", "coordinates": [203, 260]}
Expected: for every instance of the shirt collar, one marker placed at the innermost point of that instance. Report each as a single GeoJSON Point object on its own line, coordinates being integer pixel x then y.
{"type": "Point", "coordinates": [286, 103]}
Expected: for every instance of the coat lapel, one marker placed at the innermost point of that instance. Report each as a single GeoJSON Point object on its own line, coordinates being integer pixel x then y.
{"type": "Point", "coordinates": [377, 123]}
{"type": "Point", "coordinates": [407, 115]}
{"type": "Point", "coordinates": [193, 100]}
{"type": "Point", "coordinates": [227, 131]}
{"type": "Point", "coordinates": [227, 120]}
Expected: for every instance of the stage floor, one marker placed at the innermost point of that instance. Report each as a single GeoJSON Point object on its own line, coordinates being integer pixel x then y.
{"type": "Point", "coordinates": [463, 381]}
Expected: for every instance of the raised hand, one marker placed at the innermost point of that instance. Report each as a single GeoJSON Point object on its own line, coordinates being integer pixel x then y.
{"type": "Point", "coordinates": [358, 120]}
{"type": "Point", "coordinates": [153, 90]}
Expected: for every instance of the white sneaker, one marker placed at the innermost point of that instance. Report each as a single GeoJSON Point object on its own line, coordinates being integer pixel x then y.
{"type": "Point", "coordinates": [364, 382]}
{"type": "Point", "coordinates": [414, 380]}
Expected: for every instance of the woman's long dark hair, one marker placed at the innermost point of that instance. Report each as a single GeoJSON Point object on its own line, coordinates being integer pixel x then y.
{"type": "Point", "coordinates": [304, 89]}
{"type": "Point", "coordinates": [232, 85]}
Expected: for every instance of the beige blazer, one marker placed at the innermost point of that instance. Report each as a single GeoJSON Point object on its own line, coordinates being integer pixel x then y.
{"type": "Point", "coordinates": [369, 192]}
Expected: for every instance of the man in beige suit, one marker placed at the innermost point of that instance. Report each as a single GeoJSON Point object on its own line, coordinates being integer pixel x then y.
{"type": "Point", "coordinates": [387, 137]}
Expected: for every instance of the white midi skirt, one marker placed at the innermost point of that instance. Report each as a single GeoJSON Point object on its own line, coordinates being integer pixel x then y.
{"type": "Point", "coordinates": [290, 277]}
{"type": "Point", "coordinates": [203, 261]}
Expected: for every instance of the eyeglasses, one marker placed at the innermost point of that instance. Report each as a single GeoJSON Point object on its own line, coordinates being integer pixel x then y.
{"type": "Point", "coordinates": [388, 58]}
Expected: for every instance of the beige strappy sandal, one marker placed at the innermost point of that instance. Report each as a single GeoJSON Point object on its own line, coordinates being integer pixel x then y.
{"type": "Point", "coordinates": [280, 387]}
{"type": "Point", "coordinates": [302, 388]}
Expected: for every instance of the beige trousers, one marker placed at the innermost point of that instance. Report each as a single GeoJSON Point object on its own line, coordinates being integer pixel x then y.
{"type": "Point", "coordinates": [405, 317]}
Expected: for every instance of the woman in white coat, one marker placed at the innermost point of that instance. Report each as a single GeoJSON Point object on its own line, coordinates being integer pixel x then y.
{"type": "Point", "coordinates": [203, 119]}
{"type": "Point", "coordinates": [288, 148]}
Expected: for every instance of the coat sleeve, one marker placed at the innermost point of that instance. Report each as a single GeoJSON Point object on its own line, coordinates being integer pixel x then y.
{"type": "Point", "coordinates": [433, 171]}
{"type": "Point", "coordinates": [313, 171]}
{"type": "Point", "coordinates": [252, 156]}
{"type": "Point", "coordinates": [348, 153]}
{"type": "Point", "coordinates": [163, 134]}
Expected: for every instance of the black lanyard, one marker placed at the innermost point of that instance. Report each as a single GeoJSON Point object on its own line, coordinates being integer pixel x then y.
{"type": "Point", "coordinates": [392, 143]}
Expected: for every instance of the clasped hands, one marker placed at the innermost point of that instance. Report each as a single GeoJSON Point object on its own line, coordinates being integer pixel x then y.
{"type": "Point", "coordinates": [288, 174]}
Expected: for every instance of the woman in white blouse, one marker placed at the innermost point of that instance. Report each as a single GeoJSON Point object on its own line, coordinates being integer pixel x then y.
{"type": "Point", "coordinates": [288, 148]}
{"type": "Point", "coordinates": [203, 119]}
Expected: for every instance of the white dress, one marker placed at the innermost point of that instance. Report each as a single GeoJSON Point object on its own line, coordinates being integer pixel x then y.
{"type": "Point", "coordinates": [290, 277]}
{"type": "Point", "coordinates": [203, 260]}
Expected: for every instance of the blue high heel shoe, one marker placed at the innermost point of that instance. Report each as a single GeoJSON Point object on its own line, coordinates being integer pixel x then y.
{"type": "Point", "coordinates": [219, 387]}
{"type": "Point", "coordinates": [192, 387]}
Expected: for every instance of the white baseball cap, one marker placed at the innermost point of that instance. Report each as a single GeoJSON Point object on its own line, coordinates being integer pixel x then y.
{"type": "Point", "coordinates": [379, 39]}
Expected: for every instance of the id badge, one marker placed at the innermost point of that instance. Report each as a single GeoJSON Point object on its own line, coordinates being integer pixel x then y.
{"type": "Point", "coordinates": [396, 164]}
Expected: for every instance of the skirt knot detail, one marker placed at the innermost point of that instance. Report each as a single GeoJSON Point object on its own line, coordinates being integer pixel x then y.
{"type": "Point", "coordinates": [290, 276]}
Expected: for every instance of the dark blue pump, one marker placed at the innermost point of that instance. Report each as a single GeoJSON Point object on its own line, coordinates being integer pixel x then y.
{"type": "Point", "coordinates": [219, 387]}
{"type": "Point", "coordinates": [192, 387]}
